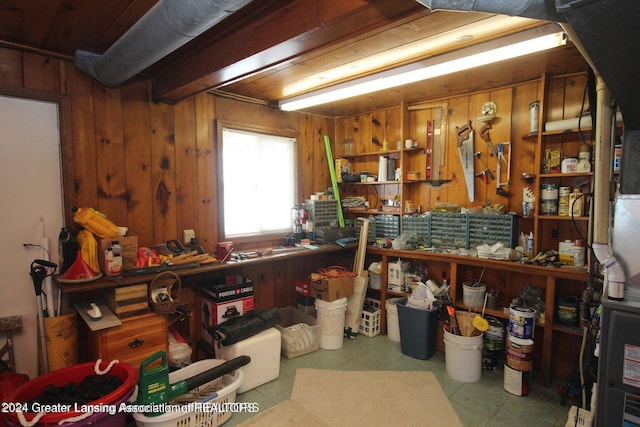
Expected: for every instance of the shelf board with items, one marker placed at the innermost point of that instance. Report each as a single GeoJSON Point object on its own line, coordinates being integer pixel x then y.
{"type": "Point", "coordinates": [410, 146]}
{"type": "Point", "coordinates": [563, 160]}
{"type": "Point", "coordinates": [383, 196]}
{"type": "Point", "coordinates": [508, 279]}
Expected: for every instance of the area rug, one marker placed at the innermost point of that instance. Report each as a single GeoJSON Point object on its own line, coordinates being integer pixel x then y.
{"type": "Point", "coordinates": [361, 398]}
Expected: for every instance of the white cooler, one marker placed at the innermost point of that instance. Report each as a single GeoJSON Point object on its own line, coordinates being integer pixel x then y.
{"type": "Point", "coordinates": [264, 351]}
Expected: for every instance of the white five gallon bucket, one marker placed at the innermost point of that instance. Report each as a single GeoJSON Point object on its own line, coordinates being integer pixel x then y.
{"type": "Point", "coordinates": [393, 323]}
{"type": "Point", "coordinates": [473, 296]}
{"type": "Point", "coordinates": [463, 357]}
{"type": "Point", "coordinates": [331, 317]}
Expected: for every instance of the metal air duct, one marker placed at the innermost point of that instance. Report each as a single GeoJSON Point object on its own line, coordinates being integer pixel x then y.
{"type": "Point", "coordinates": [164, 28]}
{"type": "Point", "coordinates": [536, 9]}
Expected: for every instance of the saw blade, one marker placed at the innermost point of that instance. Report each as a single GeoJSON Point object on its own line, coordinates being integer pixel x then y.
{"type": "Point", "coordinates": [466, 150]}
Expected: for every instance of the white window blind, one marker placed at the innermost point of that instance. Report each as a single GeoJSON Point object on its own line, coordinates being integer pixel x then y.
{"type": "Point", "coordinates": [259, 182]}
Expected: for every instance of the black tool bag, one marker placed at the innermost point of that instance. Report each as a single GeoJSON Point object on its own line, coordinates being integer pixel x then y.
{"type": "Point", "coordinates": [249, 324]}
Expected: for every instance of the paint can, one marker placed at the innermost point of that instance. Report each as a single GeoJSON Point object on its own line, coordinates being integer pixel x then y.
{"type": "Point", "coordinates": [519, 354]}
{"type": "Point", "coordinates": [549, 199]}
{"type": "Point", "coordinates": [494, 335]}
{"type": "Point", "coordinates": [563, 201]}
{"type": "Point", "coordinates": [522, 322]}
{"type": "Point", "coordinates": [489, 359]}
{"type": "Point", "coordinates": [516, 382]}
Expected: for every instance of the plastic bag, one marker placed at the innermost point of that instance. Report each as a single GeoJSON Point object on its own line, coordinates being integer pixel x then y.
{"type": "Point", "coordinates": [421, 297]}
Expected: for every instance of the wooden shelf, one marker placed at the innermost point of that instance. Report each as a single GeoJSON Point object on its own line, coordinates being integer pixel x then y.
{"type": "Point", "coordinates": [564, 131]}
{"type": "Point", "coordinates": [565, 175]}
{"type": "Point", "coordinates": [371, 182]}
{"type": "Point", "coordinates": [548, 279]}
{"type": "Point", "coordinates": [562, 218]}
{"type": "Point", "coordinates": [381, 153]}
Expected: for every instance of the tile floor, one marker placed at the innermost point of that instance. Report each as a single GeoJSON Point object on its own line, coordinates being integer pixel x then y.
{"type": "Point", "coordinates": [484, 403]}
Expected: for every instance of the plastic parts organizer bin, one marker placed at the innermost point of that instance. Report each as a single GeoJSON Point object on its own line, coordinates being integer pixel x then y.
{"type": "Point", "coordinates": [227, 387]}
{"type": "Point", "coordinates": [418, 330]}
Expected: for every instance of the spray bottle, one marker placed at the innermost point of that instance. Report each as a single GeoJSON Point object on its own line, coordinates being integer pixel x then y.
{"type": "Point", "coordinates": [529, 250]}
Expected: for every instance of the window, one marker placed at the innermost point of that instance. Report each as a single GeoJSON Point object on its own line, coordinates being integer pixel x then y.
{"type": "Point", "coordinates": [258, 182]}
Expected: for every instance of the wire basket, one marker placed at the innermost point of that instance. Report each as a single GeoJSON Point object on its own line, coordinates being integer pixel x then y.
{"type": "Point", "coordinates": [205, 411]}
{"type": "Point", "coordinates": [164, 291]}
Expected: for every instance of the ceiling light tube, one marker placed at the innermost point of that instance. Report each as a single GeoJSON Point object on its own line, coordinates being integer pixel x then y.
{"type": "Point", "coordinates": [531, 41]}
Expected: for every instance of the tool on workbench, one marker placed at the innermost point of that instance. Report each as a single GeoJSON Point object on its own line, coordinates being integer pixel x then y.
{"type": "Point", "coordinates": [176, 247]}
{"type": "Point", "coordinates": [484, 134]}
{"type": "Point", "coordinates": [507, 161]}
{"type": "Point", "coordinates": [465, 149]}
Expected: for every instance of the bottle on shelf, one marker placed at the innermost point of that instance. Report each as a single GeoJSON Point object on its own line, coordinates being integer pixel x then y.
{"type": "Point", "coordinates": [67, 249]}
{"type": "Point", "coordinates": [113, 259]}
{"type": "Point", "coordinates": [529, 248]}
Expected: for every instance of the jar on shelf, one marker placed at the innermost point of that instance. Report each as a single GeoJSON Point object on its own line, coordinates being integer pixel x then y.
{"type": "Point", "coordinates": [549, 199]}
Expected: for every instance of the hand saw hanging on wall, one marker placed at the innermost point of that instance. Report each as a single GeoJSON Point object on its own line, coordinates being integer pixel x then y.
{"type": "Point", "coordinates": [466, 150]}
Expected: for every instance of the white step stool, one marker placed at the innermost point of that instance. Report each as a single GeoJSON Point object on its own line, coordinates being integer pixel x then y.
{"type": "Point", "coordinates": [264, 351]}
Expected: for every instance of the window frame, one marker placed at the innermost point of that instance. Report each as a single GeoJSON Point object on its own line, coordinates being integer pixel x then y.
{"type": "Point", "coordinates": [253, 128]}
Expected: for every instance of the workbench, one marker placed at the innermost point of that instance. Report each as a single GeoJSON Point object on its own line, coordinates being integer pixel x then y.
{"type": "Point", "coordinates": [273, 277]}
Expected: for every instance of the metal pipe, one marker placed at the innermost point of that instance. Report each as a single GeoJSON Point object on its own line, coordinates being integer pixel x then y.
{"type": "Point", "coordinates": [164, 28]}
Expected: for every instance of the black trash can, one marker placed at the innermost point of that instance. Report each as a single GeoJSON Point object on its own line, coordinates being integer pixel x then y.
{"type": "Point", "coordinates": [418, 330]}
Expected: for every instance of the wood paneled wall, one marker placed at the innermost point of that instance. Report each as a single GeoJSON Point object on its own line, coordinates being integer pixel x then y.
{"type": "Point", "coordinates": [152, 166]}
{"type": "Point", "coordinates": [510, 124]}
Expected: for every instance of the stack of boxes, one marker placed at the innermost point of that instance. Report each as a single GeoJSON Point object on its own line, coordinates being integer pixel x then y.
{"type": "Point", "coordinates": [223, 299]}
{"type": "Point", "coordinates": [305, 300]}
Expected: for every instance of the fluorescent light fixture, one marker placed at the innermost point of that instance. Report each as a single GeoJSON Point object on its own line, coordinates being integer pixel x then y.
{"type": "Point", "coordinates": [455, 38]}
{"type": "Point", "coordinates": [520, 44]}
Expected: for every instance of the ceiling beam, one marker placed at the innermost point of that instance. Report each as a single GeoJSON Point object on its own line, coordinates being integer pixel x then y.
{"type": "Point", "coordinates": [249, 41]}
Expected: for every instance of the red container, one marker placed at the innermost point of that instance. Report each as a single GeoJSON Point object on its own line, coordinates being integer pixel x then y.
{"type": "Point", "coordinates": [76, 374]}
{"type": "Point", "coordinates": [9, 382]}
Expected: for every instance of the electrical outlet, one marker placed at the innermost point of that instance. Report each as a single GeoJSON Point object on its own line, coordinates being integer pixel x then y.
{"type": "Point", "coordinates": [188, 235]}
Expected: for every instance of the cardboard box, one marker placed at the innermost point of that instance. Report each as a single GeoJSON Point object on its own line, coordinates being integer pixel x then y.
{"type": "Point", "coordinates": [129, 246]}
{"type": "Point", "coordinates": [213, 313]}
{"type": "Point", "coordinates": [334, 288]}
{"type": "Point", "coordinates": [233, 287]}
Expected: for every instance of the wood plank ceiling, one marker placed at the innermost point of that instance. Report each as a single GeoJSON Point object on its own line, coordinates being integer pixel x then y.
{"type": "Point", "coordinates": [256, 52]}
